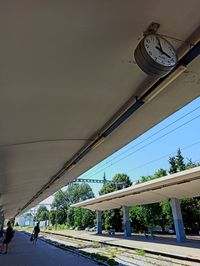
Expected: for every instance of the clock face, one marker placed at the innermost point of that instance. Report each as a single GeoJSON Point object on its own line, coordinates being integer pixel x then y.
{"type": "Point", "coordinates": [160, 50]}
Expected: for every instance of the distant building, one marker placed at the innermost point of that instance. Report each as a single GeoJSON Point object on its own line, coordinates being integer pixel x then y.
{"type": "Point", "coordinates": [25, 220]}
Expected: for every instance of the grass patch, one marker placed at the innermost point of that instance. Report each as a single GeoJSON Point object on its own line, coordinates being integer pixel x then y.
{"type": "Point", "coordinates": [113, 253]}
{"type": "Point", "coordinates": [96, 244]}
{"type": "Point", "coordinates": [140, 252]}
{"type": "Point", "coordinates": [100, 257]}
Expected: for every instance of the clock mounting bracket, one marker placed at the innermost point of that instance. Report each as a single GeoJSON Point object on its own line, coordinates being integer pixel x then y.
{"type": "Point", "coordinates": [152, 28]}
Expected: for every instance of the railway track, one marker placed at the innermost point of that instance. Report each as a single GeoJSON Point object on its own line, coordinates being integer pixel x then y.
{"type": "Point", "coordinates": [122, 256]}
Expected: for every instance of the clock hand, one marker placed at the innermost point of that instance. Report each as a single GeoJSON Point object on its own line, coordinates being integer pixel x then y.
{"type": "Point", "coordinates": [159, 43]}
{"type": "Point", "coordinates": [163, 52]}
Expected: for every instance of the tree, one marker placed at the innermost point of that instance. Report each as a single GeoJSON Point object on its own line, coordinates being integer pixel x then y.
{"type": "Point", "coordinates": [63, 213]}
{"type": "Point", "coordinates": [80, 217]}
{"type": "Point", "coordinates": [59, 208]}
{"type": "Point", "coordinates": [190, 209]}
{"type": "Point", "coordinates": [60, 200]}
{"type": "Point", "coordinates": [42, 214]}
{"type": "Point", "coordinates": [176, 163]}
{"type": "Point", "coordinates": [159, 173]}
{"type": "Point", "coordinates": [149, 215]}
{"type": "Point", "coordinates": [122, 179]}
{"type": "Point", "coordinates": [191, 164]}
{"type": "Point", "coordinates": [83, 218]}
{"type": "Point", "coordinates": [114, 217]}
{"type": "Point", "coordinates": [180, 161]}
{"type": "Point", "coordinates": [173, 165]}
{"type": "Point", "coordinates": [79, 192]}
{"type": "Point", "coordinates": [70, 216]}
{"type": "Point", "coordinates": [160, 213]}
{"type": "Point", "coordinates": [52, 217]}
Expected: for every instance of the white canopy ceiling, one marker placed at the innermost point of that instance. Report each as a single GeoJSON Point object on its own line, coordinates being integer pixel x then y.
{"type": "Point", "coordinates": [185, 184]}
{"type": "Point", "coordinates": [66, 72]}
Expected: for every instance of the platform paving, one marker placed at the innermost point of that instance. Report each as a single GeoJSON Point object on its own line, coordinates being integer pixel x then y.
{"type": "Point", "coordinates": [165, 245]}
{"type": "Point", "coordinates": [23, 253]}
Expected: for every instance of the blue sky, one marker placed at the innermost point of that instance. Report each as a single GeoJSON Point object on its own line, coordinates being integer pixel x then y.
{"type": "Point", "coordinates": [151, 151]}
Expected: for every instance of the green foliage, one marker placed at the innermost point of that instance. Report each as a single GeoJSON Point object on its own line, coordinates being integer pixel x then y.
{"type": "Point", "coordinates": [113, 253]}
{"type": "Point", "coordinates": [73, 194]}
{"type": "Point", "coordinates": [114, 217]}
{"type": "Point", "coordinates": [152, 214]}
{"type": "Point", "coordinates": [176, 163]}
{"type": "Point", "coordinates": [112, 262]}
{"type": "Point", "coordinates": [80, 217]}
{"type": "Point", "coordinates": [106, 227]}
{"type": "Point", "coordinates": [88, 218]}
{"type": "Point", "coordinates": [101, 257]}
{"type": "Point", "coordinates": [144, 179]}
{"type": "Point", "coordinates": [96, 244]}
{"type": "Point", "coordinates": [62, 227]}
{"type": "Point", "coordinates": [191, 164]}
{"type": "Point", "coordinates": [140, 252]}
{"type": "Point", "coordinates": [79, 192]}
{"type": "Point", "coordinates": [166, 213]}
{"type": "Point", "coordinates": [180, 161]}
{"type": "Point", "coordinates": [61, 216]}
{"type": "Point", "coordinates": [52, 216]}
{"type": "Point", "coordinates": [42, 214]}
{"type": "Point", "coordinates": [159, 173]}
{"type": "Point", "coordinates": [148, 216]}
{"type": "Point", "coordinates": [191, 214]}
{"type": "Point", "coordinates": [110, 187]}
{"type": "Point", "coordinates": [160, 213]}
{"type": "Point", "coordinates": [61, 200]}
{"type": "Point", "coordinates": [145, 216]}
{"type": "Point", "coordinates": [64, 214]}
{"type": "Point", "coordinates": [173, 165]}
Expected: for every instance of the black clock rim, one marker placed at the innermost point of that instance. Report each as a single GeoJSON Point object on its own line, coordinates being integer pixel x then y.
{"type": "Point", "coordinates": [144, 57]}
{"type": "Point", "coordinates": [148, 65]}
{"type": "Point", "coordinates": [142, 63]}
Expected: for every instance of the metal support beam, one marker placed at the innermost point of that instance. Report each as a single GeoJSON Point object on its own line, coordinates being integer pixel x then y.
{"type": "Point", "coordinates": [99, 222]}
{"type": "Point", "coordinates": [178, 220]}
{"type": "Point", "coordinates": [127, 227]}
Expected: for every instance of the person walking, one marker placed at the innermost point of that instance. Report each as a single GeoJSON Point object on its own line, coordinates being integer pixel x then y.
{"type": "Point", "coordinates": [1, 231]}
{"type": "Point", "coordinates": [8, 238]}
{"type": "Point", "coordinates": [36, 231]}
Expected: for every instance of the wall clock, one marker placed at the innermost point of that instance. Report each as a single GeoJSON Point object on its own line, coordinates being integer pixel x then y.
{"type": "Point", "coordinates": [155, 55]}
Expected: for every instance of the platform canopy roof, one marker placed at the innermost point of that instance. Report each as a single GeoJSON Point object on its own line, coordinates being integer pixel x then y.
{"type": "Point", "coordinates": [68, 80]}
{"type": "Point", "coordinates": [185, 184]}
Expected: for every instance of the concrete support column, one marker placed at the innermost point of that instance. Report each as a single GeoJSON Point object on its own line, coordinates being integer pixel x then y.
{"type": "Point", "coordinates": [178, 220]}
{"type": "Point", "coordinates": [127, 227]}
{"type": "Point", "coordinates": [99, 222]}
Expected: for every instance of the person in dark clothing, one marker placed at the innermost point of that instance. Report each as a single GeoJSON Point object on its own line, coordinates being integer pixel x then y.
{"type": "Point", "coordinates": [36, 231]}
{"type": "Point", "coordinates": [1, 231]}
{"type": "Point", "coordinates": [8, 238]}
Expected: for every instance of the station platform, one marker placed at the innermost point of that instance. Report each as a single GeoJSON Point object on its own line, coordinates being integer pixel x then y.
{"type": "Point", "coordinates": [160, 245]}
{"type": "Point", "coordinates": [22, 252]}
